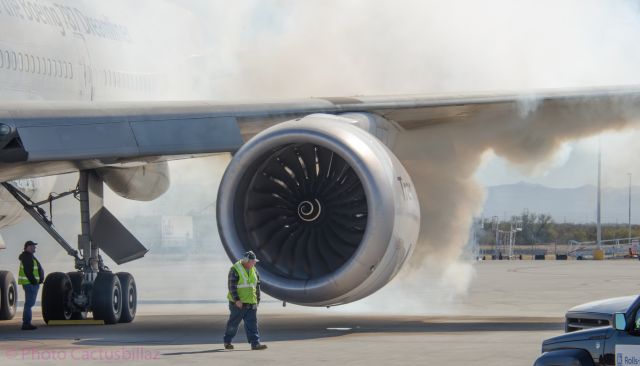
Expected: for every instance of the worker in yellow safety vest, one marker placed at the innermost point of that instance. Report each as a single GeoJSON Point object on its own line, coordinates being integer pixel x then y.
{"type": "Point", "coordinates": [244, 297]}
{"type": "Point", "coordinates": [30, 276]}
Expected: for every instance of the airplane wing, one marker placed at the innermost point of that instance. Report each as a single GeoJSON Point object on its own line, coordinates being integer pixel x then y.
{"type": "Point", "coordinates": [331, 212]}
{"type": "Point", "coordinates": [62, 137]}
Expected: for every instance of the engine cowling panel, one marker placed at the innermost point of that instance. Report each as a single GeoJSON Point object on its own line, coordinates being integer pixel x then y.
{"type": "Point", "coordinates": [328, 209]}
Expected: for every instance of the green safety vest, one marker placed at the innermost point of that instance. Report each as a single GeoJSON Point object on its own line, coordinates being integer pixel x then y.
{"type": "Point", "coordinates": [246, 284]}
{"type": "Point", "coordinates": [22, 278]}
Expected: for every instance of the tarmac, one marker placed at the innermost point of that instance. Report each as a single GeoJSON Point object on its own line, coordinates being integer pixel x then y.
{"type": "Point", "coordinates": [510, 308]}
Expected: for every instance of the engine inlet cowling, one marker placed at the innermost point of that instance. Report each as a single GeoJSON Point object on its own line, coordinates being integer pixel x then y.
{"type": "Point", "coordinates": [327, 208]}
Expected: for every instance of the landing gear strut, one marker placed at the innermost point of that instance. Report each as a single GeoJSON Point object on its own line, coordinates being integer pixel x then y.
{"type": "Point", "coordinates": [93, 287]}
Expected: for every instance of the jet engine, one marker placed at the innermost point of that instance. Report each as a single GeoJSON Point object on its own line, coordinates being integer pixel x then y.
{"type": "Point", "coordinates": [328, 209]}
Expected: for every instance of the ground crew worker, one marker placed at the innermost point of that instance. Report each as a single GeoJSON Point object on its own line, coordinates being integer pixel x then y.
{"type": "Point", "coordinates": [244, 297]}
{"type": "Point", "coordinates": [31, 275]}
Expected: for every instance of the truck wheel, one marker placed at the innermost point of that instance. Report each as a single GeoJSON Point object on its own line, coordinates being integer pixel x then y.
{"type": "Point", "coordinates": [129, 297]}
{"type": "Point", "coordinates": [576, 356]}
{"type": "Point", "coordinates": [56, 297]}
{"type": "Point", "coordinates": [106, 299]}
{"type": "Point", "coordinates": [8, 295]}
{"type": "Point", "coordinates": [76, 283]}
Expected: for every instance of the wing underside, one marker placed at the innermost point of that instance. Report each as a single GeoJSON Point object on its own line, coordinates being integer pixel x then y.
{"type": "Point", "coordinates": [54, 138]}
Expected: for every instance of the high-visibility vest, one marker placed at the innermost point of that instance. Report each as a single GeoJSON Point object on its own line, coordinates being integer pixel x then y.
{"type": "Point", "coordinates": [22, 278]}
{"type": "Point", "coordinates": [247, 284]}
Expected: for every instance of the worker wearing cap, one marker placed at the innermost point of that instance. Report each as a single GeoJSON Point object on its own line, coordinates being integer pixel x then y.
{"type": "Point", "coordinates": [31, 275]}
{"type": "Point", "coordinates": [244, 297]}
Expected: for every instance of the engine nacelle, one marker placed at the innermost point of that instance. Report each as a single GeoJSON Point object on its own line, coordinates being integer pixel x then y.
{"type": "Point", "coordinates": [141, 183]}
{"type": "Point", "coordinates": [329, 211]}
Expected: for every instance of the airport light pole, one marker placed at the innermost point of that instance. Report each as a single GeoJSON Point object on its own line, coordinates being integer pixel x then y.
{"type": "Point", "coordinates": [496, 227]}
{"type": "Point", "coordinates": [598, 226]}
{"type": "Point", "coordinates": [629, 208]}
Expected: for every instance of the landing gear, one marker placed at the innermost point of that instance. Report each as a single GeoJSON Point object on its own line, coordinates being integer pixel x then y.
{"type": "Point", "coordinates": [93, 287]}
{"type": "Point", "coordinates": [8, 295]}
{"type": "Point", "coordinates": [107, 298]}
{"type": "Point", "coordinates": [130, 297]}
{"type": "Point", "coordinates": [77, 283]}
{"type": "Point", "coordinates": [57, 293]}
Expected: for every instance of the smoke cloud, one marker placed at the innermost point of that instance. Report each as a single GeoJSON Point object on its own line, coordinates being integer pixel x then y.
{"type": "Point", "coordinates": [355, 47]}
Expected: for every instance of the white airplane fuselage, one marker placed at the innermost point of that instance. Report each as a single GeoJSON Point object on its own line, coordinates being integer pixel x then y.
{"type": "Point", "coordinates": [62, 51]}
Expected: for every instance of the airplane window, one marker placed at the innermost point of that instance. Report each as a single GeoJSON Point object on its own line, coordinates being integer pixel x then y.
{"type": "Point", "coordinates": [70, 71]}
{"type": "Point", "coordinates": [13, 58]}
{"type": "Point", "coordinates": [64, 70]}
{"type": "Point", "coordinates": [1, 59]}
{"type": "Point", "coordinates": [32, 64]}
{"type": "Point", "coordinates": [48, 66]}
{"type": "Point", "coordinates": [38, 64]}
{"type": "Point", "coordinates": [20, 62]}
{"type": "Point", "coordinates": [27, 66]}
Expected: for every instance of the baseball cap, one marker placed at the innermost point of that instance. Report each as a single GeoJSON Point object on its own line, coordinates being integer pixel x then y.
{"type": "Point", "coordinates": [29, 242]}
{"type": "Point", "coordinates": [250, 255]}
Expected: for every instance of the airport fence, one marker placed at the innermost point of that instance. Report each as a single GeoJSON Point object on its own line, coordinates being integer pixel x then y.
{"type": "Point", "coordinates": [611, 249]}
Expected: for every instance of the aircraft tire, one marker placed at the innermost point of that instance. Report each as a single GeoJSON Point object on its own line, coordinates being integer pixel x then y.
{"type": "Point", "coordinates": [8, 295]}
{"type": "Point", "coordinates": [76, 282]}
{"type": "Point", "coordinates": [107, 298]}
{"type": "Point", "coordinates": [129, 297]}
{"type": "Point", "coordinates": [56, 295]}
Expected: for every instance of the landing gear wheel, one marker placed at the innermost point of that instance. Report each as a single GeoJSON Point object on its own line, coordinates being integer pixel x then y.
{"type": "Point", "coordinates": [76, 282]}
{"type": "Point", "coordinates": [107, 298]}
{"type": "Point", "coordinates": [8, 295]}
{"type": "Point", "coordinates": [129, 297]}
{"type": "Point", "coordinates": [56, 297]}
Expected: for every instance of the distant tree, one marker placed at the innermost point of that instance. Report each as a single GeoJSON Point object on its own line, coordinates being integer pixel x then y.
{"type": "Point", "coordinates": [541, 228]}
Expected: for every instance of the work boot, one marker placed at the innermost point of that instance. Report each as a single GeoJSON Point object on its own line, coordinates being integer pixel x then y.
{"type": "Point", "coordinates": [258, 347]}
{"type": "Point", "coordinates": [29, 327]}
{"type": "Point", "coordinates": [228, 346]}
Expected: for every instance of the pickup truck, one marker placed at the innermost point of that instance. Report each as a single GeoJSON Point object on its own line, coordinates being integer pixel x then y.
{"type": "Point", "coordinates": [615, 344]}
{"type": "Point", "coordinates": [596, 313]}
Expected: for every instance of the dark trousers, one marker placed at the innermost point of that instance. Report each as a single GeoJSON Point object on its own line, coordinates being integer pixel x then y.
{"type": "Point", "coordinates": [30, 294]}
{"type": "Point", "coordinates": [250, 324]}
